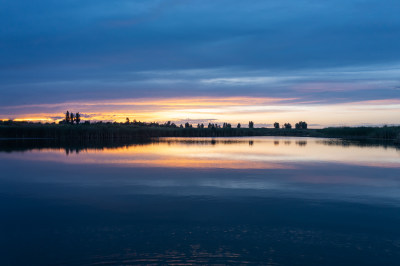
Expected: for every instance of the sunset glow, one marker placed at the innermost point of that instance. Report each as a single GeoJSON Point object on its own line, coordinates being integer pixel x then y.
{"type": "Point", "coordinates": [263, 111]}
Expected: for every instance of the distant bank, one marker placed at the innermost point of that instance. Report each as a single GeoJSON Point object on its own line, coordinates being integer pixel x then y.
{"type": "Point", "coordinates": [106, 131]}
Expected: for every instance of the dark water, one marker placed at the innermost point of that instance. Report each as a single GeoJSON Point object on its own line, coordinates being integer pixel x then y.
{"type": "Point", "coordinates": [271, 201]}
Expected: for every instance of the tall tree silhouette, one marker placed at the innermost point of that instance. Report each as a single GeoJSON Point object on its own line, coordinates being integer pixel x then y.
{"type": "Point", "coordinates": [276, 125]}
{"type": "Point", "coordinates": [78, 118]}
{"type": "Point", "coordinates": [67, 118]}
{"type": "Point", "coordinates": [71, 117]}
{"type": "Point", "coordinates": [251, 124]}
{"type": "Point", "coordinates": [238, 125]}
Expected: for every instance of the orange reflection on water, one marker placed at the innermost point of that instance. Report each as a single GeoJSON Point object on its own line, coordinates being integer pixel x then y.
{"type": "Point", "coordinates": [229, 153]}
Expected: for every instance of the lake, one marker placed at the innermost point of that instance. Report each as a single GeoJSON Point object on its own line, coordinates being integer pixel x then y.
{"type": "Point", "coordinates": [253, 200]}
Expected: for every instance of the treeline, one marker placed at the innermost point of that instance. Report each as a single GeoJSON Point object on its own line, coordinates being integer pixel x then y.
{"type": "Point", "coordinates": [134, 130]}
{"type": "Point", "coordinates": [384, 133]}
{"type": "Point", "coordinates": [71, 118]}
{"type": "Point", "coordinates": [130, 131]}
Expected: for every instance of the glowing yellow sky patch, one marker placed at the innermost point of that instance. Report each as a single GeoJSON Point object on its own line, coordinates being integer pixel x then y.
{"type": "Point", "coordinates": [33, 119]}
{"type": "Point", "coordinates": [262, 110]}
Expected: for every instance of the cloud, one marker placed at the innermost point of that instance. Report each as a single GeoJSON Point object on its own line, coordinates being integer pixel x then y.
{"type": "Point", "coordinates": [263, 111]}
{"type": "Point", "coordinates": [330, 52]}
{"type": "Point", "coordinates": [56, 117]}
{"type": "Point", "coordinates": [194, 122]}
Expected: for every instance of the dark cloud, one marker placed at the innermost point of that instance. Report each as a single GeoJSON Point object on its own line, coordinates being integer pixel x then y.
{"type": "Point", "coordinates": [195, 121]}
{"type": "Point", "coordinates": [55, 51]}
{"type": "Point", "coordinates": [56, 117]}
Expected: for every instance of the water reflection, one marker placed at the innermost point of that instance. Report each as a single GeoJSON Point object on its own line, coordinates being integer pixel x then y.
{"type": "Point", "coordinates": [227, 153]}
{"type": "Point", "coordinates": [301, 142]}
{"type": "Point", "coordinates": [299, 167]}
{"type": "Point", "coordinates": [200, 201]}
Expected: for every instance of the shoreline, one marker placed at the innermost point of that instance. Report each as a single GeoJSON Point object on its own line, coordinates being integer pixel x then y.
{"type": "Point", "coordinates": [127, 132]}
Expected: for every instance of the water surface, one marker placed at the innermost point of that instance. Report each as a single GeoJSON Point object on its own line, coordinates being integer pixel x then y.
{"type": "Point", "coordinates": [262, 200]}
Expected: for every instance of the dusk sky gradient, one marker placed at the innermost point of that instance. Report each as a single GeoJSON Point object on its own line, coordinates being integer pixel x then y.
{"type": "Point", "coordinates": [329, 63]}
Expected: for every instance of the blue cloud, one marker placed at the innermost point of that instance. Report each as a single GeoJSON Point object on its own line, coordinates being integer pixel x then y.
{"type": "Point", "coordinates": [65, 50]}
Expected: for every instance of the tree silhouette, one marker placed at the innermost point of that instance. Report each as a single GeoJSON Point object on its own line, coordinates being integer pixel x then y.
{"type": "Point", "coordinates": [238, 125]}
{"type": "Point", "coordinates": [67, 118]}
{"type": "Point", "coordinates": [226, 125]}
{"type": "Point", "coordinates": [78, 118]}
{"type": "Point", "coordinates": [251, 124]}
{"type": "Point", "coordinates": [301, 125]}
{"type": "Point", "coordinates": [276, 125]}
{"type": "Point", "coordinates": [287, 126]}
{"type": "Point", "coordinates": [127, 121]}
{"type": "Point", "coordinates": [71, 117]}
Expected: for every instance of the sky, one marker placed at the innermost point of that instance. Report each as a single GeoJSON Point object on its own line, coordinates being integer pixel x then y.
{"type": "Point", "coordinates": [330, 63]}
